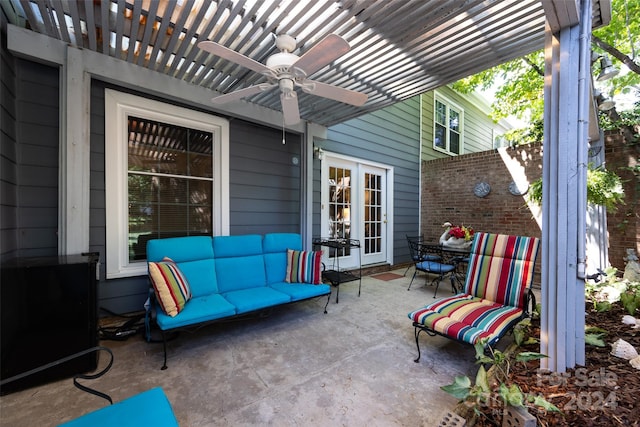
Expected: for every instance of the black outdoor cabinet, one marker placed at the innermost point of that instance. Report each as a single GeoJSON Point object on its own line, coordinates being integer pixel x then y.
{"type": "Point", "coordinates": [49, 311]}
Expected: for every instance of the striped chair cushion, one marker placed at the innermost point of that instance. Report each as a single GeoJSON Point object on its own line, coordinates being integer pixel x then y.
{"type": "Point", "coordinates": [303, 267]}
{"type": "Point", "coordinates": [501, 268]}
{"type": "Point", "coordinates": [467, 318]}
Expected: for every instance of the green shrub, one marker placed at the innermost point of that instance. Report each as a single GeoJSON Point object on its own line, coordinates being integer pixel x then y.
{"type": "Point", "coordinates": [604, 188]}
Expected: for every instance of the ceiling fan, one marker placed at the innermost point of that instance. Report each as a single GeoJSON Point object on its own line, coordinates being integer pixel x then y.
{"type": "Point", "coordinates": [286, 71]}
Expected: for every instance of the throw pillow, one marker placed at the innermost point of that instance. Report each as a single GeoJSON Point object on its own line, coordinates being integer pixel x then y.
{"type": "Point", "coordinates": [171, 287]}
{"type": "Point", "coordinates": [304, 267]}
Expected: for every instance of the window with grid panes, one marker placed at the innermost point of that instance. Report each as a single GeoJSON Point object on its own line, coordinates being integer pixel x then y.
{"type": "Point", "coordinates": [166, 174]}
{"type": "Point", "coordinates": [447, 122]}
{"type": "Point", "coordinates": [170, 182]}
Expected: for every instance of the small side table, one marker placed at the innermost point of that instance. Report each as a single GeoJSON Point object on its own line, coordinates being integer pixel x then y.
{"type": "Point", "coordinates": [334, 275]}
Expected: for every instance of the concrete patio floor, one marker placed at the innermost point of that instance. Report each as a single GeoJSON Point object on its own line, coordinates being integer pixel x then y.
{"type": "Point", "coordinates": [297, 367]}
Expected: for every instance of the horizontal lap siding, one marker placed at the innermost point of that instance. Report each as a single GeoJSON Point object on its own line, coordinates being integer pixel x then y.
{"type": "Point", "coordinates": [8, 156]}
{"type": "Point", "coordinates": [391, 137]}
{"type": "Point", "coordinates": [265, 182]}
{"type": "Point", "coordinates": [36, 174]}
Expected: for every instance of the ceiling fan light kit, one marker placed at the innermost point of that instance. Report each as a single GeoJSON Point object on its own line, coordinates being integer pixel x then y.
{"type": "Point", "coordinates": [287, 70]}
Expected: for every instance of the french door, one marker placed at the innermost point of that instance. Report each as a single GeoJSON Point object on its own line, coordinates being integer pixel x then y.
{"type": "Point", "coordinates": [355, 206]}
{"type": "Point", "coordinates": [374, 214]}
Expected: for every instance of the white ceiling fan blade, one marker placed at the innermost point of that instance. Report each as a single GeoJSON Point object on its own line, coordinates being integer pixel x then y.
{"type": "Point", "coordinates": [290, 107]}
{"type": "Point", "coordinates": [242, 93]}
{"type": "Point", "coordinates": [232, 55]}
{"type": "Point", "coordinates": [336, 93]}
{"type": "Point", "coordinates": [323, 53]}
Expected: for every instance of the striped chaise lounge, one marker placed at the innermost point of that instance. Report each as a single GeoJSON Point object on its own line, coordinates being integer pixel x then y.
{"type": "Point", "coordinates": [496, 293]}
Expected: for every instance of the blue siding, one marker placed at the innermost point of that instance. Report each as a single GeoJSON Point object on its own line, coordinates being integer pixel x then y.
{"type": "Point", "coordinates": [265, 182]}
{"type": "Point", "coordinates": [391, 137]}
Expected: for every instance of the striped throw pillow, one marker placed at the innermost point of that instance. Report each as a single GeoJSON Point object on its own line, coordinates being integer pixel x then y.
{"type": "Point", "coordinates": [171, 287]}
{"type": "Point", "coordinates": [303, 267]}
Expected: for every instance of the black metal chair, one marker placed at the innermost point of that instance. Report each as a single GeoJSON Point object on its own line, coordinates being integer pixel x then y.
{"type": "Point", "coordinates": [415, 256]}
{"type": "Point", "coordinates": [431, 261]}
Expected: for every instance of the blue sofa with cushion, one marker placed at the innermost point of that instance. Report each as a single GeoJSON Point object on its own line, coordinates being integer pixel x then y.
{"type": "Point", "coordinates": [200, 279]}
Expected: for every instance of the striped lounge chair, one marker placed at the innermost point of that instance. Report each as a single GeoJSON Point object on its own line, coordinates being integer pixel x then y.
{"type": "Point", "coordinates": [496, 293]}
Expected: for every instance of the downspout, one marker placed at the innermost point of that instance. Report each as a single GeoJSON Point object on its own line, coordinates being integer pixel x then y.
{"type": "Point", "coordinates": [584, 93]}
{"type": "Point", "coordinates": [420, 129]}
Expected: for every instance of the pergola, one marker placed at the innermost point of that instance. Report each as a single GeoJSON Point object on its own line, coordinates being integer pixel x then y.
{"type": "Point", "coordinates": [400, 48]}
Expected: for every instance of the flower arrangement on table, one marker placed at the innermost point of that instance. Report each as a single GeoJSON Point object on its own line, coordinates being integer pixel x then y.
{"type": "Point", "coordinates": [461, 232]}
{"type": "Point", "coordinates": [456, 236]}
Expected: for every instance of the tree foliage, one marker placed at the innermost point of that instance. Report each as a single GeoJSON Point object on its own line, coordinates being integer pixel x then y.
{"type": "Point", "coordinates": [520, 82]}
{"type": "Point", "coordinates": [519, 87]}
{"type": "Point", "coordinates": [604, 188]}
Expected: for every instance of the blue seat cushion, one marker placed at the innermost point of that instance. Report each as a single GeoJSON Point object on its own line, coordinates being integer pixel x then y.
{"type": "Point", "coordinates": [149, 408]}
{"type": "Point", "coordinates": [198, 309]}
{"type": "Point", "coordinates": [300, 291]}
{"type": "Point", "coordinates": [246, 300]}
{"type": "Point", "coordinates": [435, 267]}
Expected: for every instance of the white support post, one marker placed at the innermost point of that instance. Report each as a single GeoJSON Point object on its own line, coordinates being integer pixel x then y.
{"type": "Point", "coordinates": [563, 204]}
{"type": "Point", "coordinates": [313, 132]}
{"type": "Point", "coordinates": [73, 222]}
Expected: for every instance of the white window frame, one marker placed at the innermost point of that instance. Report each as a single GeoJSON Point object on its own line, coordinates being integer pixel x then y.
{"type": "Point", "coordinates": [118, 107]}
{"type": "Point", "coordinates": [449, 105]}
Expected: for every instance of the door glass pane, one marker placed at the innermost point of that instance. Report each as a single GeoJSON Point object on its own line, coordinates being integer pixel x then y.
{"type": "Point", "coordinates": [340, 207]}
{"type": "Point", "coordinates": [373, 213]}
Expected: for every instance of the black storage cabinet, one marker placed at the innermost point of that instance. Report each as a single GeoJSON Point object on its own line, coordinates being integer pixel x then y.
{"type": "Point", "coordinates": [49, 311]}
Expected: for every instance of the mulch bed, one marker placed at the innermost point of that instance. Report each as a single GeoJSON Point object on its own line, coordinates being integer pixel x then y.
{"type": "Point", "coordinates": [605, 392]}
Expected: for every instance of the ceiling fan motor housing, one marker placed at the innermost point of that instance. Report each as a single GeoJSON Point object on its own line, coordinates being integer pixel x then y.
{"type": "Point", "coordinates": [281, 62]}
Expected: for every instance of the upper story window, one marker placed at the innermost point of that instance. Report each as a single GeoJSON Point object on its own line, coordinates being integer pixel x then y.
{"type": "Point", "coordinates": [166, 174]}
{"type": "Point", "coordinates": [447, 126]}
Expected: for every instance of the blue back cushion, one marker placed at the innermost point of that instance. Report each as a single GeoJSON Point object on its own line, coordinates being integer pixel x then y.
{"type": "Point", "coordinates": [275, 247]}
{"type": "Point", "coordinates": [194, 257]}
{"type": "Point", "coordinates": [239, 262]}
{"type": "Point", "coordinates": [201, 275]}
{"type": "Point", "coordinates": [180, 249]}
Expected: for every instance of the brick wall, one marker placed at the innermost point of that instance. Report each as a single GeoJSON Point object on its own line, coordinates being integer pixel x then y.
{"type": "Point", "coordinates": [447, 194]}
{"type": "Point", "coordinates": [447, 191]}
